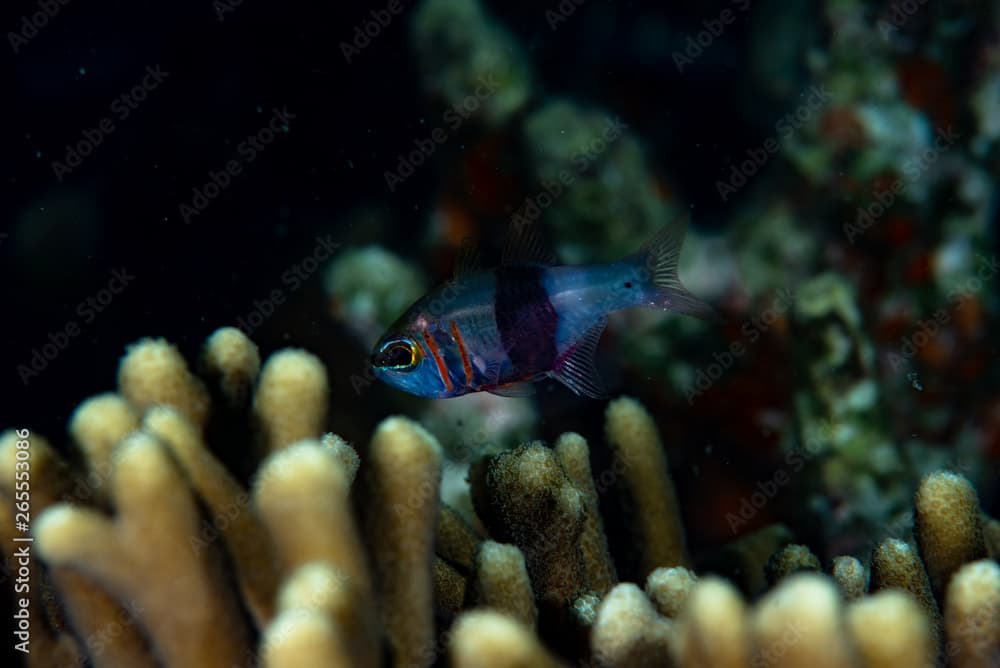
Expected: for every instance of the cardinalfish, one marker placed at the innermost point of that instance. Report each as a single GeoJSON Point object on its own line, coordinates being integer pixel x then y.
{"type": "Point", "coordinates": [501, 330]}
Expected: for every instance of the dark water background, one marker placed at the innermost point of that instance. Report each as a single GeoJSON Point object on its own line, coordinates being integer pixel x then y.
{"type": "Point", "coordinates": [119, 208]}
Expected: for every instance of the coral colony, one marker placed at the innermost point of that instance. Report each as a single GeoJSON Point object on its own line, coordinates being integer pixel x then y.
{"type": "Point", "coordinates": [326, 558]}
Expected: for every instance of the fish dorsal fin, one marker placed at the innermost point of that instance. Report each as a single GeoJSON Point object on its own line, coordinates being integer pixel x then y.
{"type": "Point", "coordinates": [525, 245]}
{"type": "Point", "coordinates": [520, 389]}
{"type": "Point", "coordinates": [467, 260]}
{"type": "Point", "coordinates": [576, 369]}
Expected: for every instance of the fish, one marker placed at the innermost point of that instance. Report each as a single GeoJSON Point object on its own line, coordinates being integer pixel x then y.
{"type": "Point", "coordinates": [501, 330]}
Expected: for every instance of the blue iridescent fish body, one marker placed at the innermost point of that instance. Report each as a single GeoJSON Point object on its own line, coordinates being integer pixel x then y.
{"type": "Point", "coordinates": [502, 329]}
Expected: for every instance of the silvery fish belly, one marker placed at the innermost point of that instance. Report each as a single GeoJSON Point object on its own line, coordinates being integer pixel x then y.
{"type": "Point", "coordinates": [499, 330]}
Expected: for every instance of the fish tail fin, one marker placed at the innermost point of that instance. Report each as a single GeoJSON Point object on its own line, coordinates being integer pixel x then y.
{"type": "Point", "coordinates": [657, 260]}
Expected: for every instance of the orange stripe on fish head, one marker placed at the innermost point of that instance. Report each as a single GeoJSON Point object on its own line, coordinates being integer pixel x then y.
{"type": "Point", "coordinates": [463, 353]}
{"type": "Point", "coordinates": [432, 346]}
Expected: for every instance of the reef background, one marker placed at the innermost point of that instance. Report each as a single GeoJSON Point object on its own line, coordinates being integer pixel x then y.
{"type": "Point", "coordinates": [818, 377]}
{"type": "Point", "coordinates": [120, 207]}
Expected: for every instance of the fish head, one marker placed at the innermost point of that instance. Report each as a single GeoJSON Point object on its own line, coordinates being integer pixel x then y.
{"type": "Point", "coordinates": [402, 359]}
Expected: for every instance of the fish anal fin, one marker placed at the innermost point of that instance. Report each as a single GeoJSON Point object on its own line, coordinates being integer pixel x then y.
{"type": "Point", "coordinates": [467, 260]}
{"type": "Point", "coordinates": [518, 389]}
{"type": "Point", "coordinates": [526, 245]}
{"type": "Point", "coordinates": [576, 368]}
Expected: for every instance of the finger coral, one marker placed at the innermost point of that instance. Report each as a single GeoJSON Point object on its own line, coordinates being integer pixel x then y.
{"type": "Point", "coordinates": [972, 615]}
{"type": "Point", "coordinates": [328, 555]}
{"type": "Point", "coordinates": [488, 639]}
{"type": "Point", "coordinates": [156, 514]}
{"type": "Point", "coordinates": [634, 440]}
{"type": "Point", "coordinates": [789, 559]}
{"type": "Point", "coordinates": [97, 426]}
{"type": "Point", "coordinates": [889, 629]}
{"type": "Point", "coordinates": [320, 617]}
{"type": "Point", "coordinates": [522, 491]}
{"type": "Point", "coordinates": [669, 588]}
{"type": "Point", "coordinates": [301, 496]}
{"type": "Point", "coordinates": [405, 474]}
{"type": "Point", "coordinates": [503, 583]}
{"type": "Point", "coordinates": [291, 399]}
{"type": "Point", "coordinates": [801, 623]}
{"type": "Point", "coordinates": [224, 499]}
{"type": "Point", "coordinates": [599, 571]}
{"type": "Point", "coordinates": [628, 632]}
{"type": "Point", "coordinates": [896, 565]}
{"type": "Point", "coordinates": [947, 526]}
{"type": "Point", "coordinates": [851, 575]}
{"type": "Point", "coordinates": [154, 372]}
{"type": "Point", "coordinates": [232, 362]}
{"type": "Point", "coordinates": [713, 628]}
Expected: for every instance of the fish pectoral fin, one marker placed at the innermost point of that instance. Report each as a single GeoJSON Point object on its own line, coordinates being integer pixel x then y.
{"type": "Point", "coordinates": [490, 369]}
{"type": "Point", "coordinates": [576, 368]}
{"type": "Point", "coordinates": [467, 260]}
{"type": "Point", "coordinates": [519, 389]}
{"type": "Point", "coordinates": [526, 245]}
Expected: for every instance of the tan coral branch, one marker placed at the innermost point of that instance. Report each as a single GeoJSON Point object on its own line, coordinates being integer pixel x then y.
{"type": "Point", "coordinates": [598, 569]}
{"type": "Point", "coordinates": [291, 400]}
{"type": "Point", "coordinates": [156, 518]}
{"type": "Point", "coordinates": [633, 437]}
{"type": "Point", "coordinates": [404, 474]}
{"type": "Point", "coordinates": [230, 511]}
{"type": "Point", "coordinates": [302, 495]}
{"type": "Point", "coordinates": [154, 372]}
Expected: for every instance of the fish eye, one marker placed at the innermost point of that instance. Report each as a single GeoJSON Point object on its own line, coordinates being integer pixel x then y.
{"type": "Point", "coordinates": [400, 355]}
